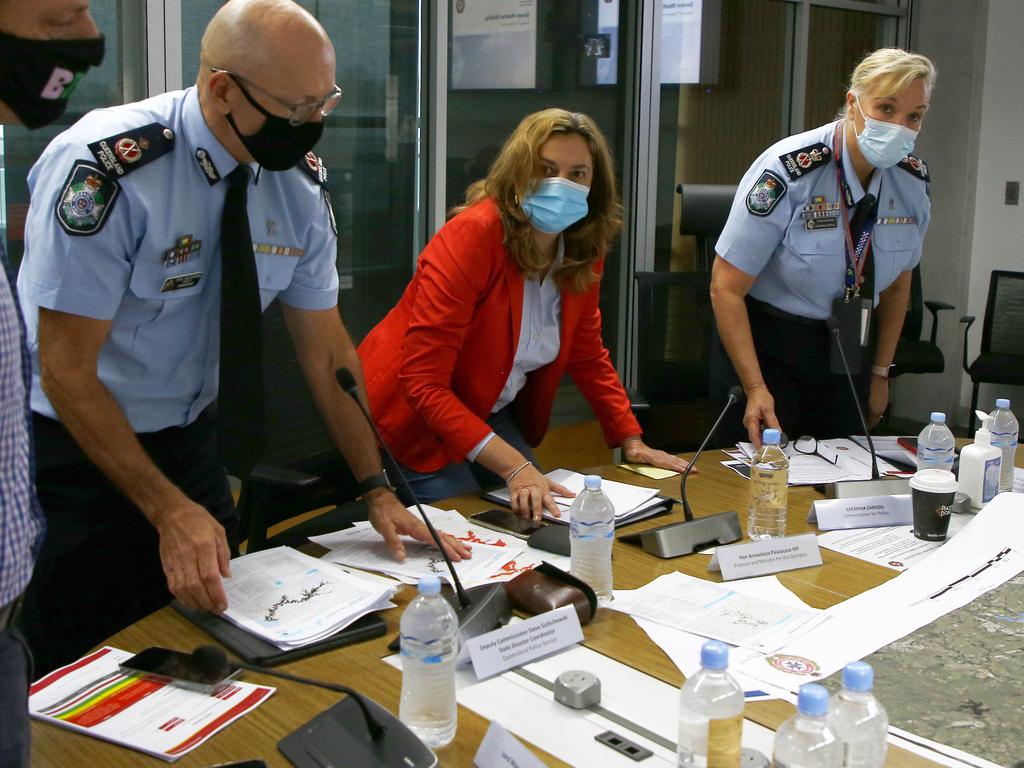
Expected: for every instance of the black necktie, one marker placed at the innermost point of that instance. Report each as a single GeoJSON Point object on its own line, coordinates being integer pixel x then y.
{"type": "Point", "coordinates": [240, 394]}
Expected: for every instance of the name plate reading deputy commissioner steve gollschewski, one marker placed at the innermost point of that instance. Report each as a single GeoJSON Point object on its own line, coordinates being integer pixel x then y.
{"type": "Point", "coordinates": [759, 558]}
{"type": "Point", "coordinates": [524, 641]}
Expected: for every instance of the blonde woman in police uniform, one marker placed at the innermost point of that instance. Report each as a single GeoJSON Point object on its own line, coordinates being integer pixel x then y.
{"type": "Point", "coordinates": [826, 224]}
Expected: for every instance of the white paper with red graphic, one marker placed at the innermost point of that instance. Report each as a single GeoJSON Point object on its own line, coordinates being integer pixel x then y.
{"type": "Point", "coordinates": [92, 696]}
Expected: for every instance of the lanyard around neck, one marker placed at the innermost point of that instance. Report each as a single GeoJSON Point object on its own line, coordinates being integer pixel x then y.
{"type": "Point", "coordinates": [856, 254]}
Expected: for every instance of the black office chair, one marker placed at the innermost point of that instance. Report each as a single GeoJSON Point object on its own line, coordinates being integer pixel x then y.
{"type": "Point", "coordinates": [301, 469]}
{"type": "Point", "coordinates": [674, 325]}
{"type": "Point", "coordinates": [705, 209]}
{"type": "Point", "coordinates": [914, 354]}
{"type": "Point", "coordinates": [1001, 360]}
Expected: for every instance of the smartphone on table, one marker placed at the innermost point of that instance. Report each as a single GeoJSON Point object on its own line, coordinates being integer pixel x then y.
{"type": "Point", "coordinates": [506, 521]}
{"type": "Point", "coordinates": [180, 669]}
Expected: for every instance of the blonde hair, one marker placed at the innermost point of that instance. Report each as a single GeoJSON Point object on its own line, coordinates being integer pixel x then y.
{"type": "Point", "coordinates": [515, 173]}
{"type": "Point", "coordinates": [890, 70]}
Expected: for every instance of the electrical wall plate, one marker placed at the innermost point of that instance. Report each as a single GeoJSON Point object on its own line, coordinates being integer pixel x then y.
{"type": "Point", "coordinates": [624, 746]}
{"type": "Point", "coordinates": [578, 689]}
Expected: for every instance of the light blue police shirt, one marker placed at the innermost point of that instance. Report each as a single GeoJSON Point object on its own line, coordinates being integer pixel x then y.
{"type": "Point", "coordinates": [786, 230]}
{"type": "Point", "coordinates": [140, 246]}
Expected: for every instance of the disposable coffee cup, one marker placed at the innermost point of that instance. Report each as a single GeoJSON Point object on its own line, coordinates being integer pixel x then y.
{"type": "Point", "coordinates": [932, 493]}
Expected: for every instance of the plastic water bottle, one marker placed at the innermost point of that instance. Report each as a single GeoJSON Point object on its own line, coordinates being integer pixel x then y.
{"type": "Point", "coordinates": [429, 639]}
{"type": "Point", "coordinates": [859, 721]}
{"type": "Point", "coordinates": [806, 740]}
{"type": "Point", "coordinates": [769, 489]}
{"type": "Point", "coordinates": [1005, 432]}
{"type": "Point", "coordinates": [591, 534]}
{"type": "Point", "coordinates": [710, 713]}
{"type": "Point", "coordinates": [935, 445]}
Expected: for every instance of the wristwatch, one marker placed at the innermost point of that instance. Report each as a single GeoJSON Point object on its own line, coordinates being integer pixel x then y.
{"type": "Point", "coordinates": [373, 482]}
{"type": "Point", "coordinates": [882, 371]}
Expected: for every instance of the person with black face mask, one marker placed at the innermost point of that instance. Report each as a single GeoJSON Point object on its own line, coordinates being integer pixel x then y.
{"type": "Point", "coordinates": [157, 234]}
{"type": "Point", "coordinates": [45, 47]}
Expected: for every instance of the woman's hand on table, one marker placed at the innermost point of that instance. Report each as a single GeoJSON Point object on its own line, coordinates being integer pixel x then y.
{"type": "Point", "coordinates": [637, 452]}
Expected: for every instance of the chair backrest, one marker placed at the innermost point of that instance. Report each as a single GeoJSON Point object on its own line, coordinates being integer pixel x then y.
{"type": "Point", "coordinates": [674, 327]}
{"type": "Point", "coordinates": [914, 320]}
{"type": "Point", "coordinates": [705, 209]}
{"type": "Point", "coordinates": [1003, 332]}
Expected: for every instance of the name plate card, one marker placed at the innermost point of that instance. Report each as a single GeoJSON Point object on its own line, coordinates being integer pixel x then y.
{"type": "Point", "coordinates": [500, 749]}
{"type": "Point", "coordinates": [516, 644]}
{"type": "Point", "coordinates": [760, 558]}
{"type": "Point", "coordinates": [863, 512]}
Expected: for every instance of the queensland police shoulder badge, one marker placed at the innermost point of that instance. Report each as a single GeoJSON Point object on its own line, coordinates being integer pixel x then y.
{"type": "Point", "coordinates": [916, 166]}
{"type": "Point", "coordinates": [86, 201]}
{"type": "Point", "coordinates": [765, 194]}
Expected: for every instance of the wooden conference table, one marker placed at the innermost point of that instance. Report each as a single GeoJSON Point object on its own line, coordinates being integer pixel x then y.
{"type": "Point", "coordinates": [713, 489]}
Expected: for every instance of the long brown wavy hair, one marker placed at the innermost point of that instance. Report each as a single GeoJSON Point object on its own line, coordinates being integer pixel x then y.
{"type": "Point", "coordinates": [516, 172]}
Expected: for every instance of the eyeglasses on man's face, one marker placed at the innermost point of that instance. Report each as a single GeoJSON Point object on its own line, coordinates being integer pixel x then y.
{"type": "Point", "coordinates": [299, 113]}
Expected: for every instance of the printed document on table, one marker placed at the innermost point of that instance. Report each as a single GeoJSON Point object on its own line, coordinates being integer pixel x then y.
{"type": "Point", "coordinates": [716, 611]}
{"type": "Point", "coordinates": [92, 696]}
{"type": "Point", "coordinates": [291, 599]}
{"type": "Point", "coordinates": [893, 546]}
{"type": "Point", "coordinates": [852, 462]}
{"type": "Point", "coordinates": [628, 500]}
{"type": "Point", "coordinates": [988, 551]}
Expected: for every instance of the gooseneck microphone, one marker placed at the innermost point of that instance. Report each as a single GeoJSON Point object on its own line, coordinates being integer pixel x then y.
{"type": "Point", "coordinates": [215, 663]}
{"type": "Point", "coordinates": [833, 328]}
{"type": "Point", "coordinates": [735, 396]}
{"type": "Point", "coordinates": [692, 534]}
{"type": "Point", "coordinates": [488, 607]}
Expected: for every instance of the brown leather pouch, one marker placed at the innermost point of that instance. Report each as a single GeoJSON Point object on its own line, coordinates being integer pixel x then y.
{"type": "Point", "coordinates": [546, 587]}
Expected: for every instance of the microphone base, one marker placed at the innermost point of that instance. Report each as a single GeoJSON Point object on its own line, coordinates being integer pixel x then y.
{"type": "Point", "coordinates": [685, 538]}
{"type": "Point", "coordinates": [853, 489]}
{"type": "Point", "coordinates": [340, 734]}
{"type": "Point", "coordinates": [489, 609]}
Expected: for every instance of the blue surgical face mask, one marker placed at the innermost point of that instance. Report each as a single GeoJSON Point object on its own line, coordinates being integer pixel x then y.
{"type": "Point", "coordinates": [556, 204]}
{"type": "Point", "coordinates": [884, 144]}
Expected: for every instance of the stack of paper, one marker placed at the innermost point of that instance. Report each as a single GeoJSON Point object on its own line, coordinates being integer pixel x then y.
{"type": "Point", "coordinates": [291, 599]}
{"type": "Point", "coordinates": [496, 557]}
{"type": "Point", "coordinates": [631, 502]}
{"type": "Point", "coordinates": [92, 696]}
{"type": "Point", "coordinates": [841, 459]}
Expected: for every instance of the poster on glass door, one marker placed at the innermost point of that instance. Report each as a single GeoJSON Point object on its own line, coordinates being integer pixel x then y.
{"type": "Point", "coordinates": [494, 44]}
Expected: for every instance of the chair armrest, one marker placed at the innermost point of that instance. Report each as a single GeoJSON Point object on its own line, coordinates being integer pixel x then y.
{"type": "Point", "coordinates": [281, 477]}
{"type": "Point", "coordinates": [935, 307]}
{"type": "Point", "coordinates": [967, 320]}
{"type": "Point", "coordinates": [640, 406]}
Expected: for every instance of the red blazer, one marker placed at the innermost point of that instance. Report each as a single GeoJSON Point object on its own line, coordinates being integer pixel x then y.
{"type": "Point", "coordinates": [436, 364]}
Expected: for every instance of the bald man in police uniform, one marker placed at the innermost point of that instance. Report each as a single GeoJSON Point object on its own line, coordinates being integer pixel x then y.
{"type": "Point", "coordinates": [787, 259]}
{"type": "Point", "coordinates": [121, 284]}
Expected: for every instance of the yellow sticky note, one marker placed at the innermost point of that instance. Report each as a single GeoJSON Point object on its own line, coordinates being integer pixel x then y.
{"type": "Point", "coordinates": [655, 473]}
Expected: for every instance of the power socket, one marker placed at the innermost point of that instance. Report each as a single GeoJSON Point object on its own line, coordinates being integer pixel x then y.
{"type": "Point", "coordinates": [1012, 196]}
{"type": "Point", "coordinates": [578, 689]}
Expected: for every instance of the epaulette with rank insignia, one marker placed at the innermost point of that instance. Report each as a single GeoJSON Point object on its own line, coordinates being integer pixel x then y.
{"type": "Point", "coordinates": [916, 166]}
{"type": "Point", "coordinates": [126, 152]}
{"type": "Point", "coordinates": [314, 167]}
{"type": "Point", "coordinates": [804, 160]}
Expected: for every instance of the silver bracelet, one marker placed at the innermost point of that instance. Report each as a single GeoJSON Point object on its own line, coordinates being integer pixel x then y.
{"type": "Point", "coordinates": [516, 471]}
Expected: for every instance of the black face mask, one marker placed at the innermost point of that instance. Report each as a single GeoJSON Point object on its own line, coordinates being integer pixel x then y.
{"type": "Point", "coordinates": [38, 76]}
{"type": "Point", "coordinates": [277, 145]}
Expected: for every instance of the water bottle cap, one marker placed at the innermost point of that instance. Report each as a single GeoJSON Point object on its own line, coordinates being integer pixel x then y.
{"type": "Point", "coordinates": [812, 700]}
{"type": "Point", "coordinates": [858, 676]}
{"type": "Point", "coordinates": [592, 482]}
{"type": "Point", "coordinates": [771, 436]}
{"type": "Point", "coordinates": [714, 654]}
{"type": "Point", "coordinates": [1002, 402]}
{"type": "Point", "coordinates": [429, 585]}
{"type": "Point", "coordinates": [938, 417]}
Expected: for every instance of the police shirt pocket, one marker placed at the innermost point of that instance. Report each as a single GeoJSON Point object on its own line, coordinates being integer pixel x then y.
{"type": "Point", "coordinates": [893, 246]}
{"type": "Point", "coordinates": [155, 286]}
{"type": "Point", "coordinates": [275, 274]}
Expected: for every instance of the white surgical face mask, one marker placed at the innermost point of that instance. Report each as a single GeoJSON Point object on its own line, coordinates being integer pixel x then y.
{"type": "Point", "coordinates": [884, 144]}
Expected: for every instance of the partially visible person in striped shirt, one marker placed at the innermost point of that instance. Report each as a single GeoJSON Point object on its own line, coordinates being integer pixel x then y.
{"type": "Point", "coordinates": [35, 82]}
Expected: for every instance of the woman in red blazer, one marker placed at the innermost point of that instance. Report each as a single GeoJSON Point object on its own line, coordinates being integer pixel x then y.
{"type": "Point", "coordinates": [462, 373]}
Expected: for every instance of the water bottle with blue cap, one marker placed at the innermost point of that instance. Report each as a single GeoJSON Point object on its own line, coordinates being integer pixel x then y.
{"type": "Point", "coordinates": [935, 444]}
{"type": "Point", "coordinates": [710, 713]}
{"type": "Point", "coordinates": [859, 721]}
{"type": "Point", "coordinates": [806, 739]}
{"type": "Point", "coordinates": [769, 489]}
{"type": "Point", "coordinates": [1005, 433]}
{"type": "Point", "coordinates": [591, 534]}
